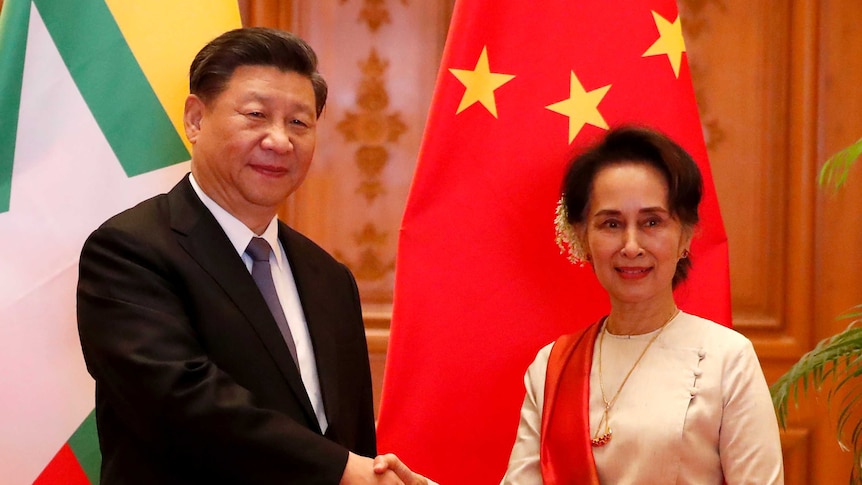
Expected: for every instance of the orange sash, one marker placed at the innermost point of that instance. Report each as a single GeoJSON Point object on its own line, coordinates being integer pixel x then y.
{"type": "Point", "coordinates": [565, 453]}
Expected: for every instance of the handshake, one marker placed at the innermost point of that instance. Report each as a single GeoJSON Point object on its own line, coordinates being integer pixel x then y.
{"type": "Point", "coordinates": [388, 469]}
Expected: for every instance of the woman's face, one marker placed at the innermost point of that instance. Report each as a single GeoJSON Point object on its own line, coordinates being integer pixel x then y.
{"type": "Point", "coordinates": [631, 237]}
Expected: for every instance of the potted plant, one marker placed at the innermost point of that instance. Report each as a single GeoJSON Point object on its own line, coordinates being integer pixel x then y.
{"type": "Point", "coordinates": [837, 360]}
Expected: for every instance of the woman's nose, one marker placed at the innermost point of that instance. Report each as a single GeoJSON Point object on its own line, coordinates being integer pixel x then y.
{"type": "Point", "coordinates": [631, 244]}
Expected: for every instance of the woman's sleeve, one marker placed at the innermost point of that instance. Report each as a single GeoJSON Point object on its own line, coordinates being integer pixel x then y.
{"type": "Point", "coordinates": [749, 442]}
{"type": "Point", "coordinates": [524, 466]}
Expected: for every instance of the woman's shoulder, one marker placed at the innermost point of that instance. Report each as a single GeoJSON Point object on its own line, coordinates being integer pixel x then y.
{"type": "Point", "coordinates": [544, 354]}
{"type": "Point", "coordinates": [709, 333]}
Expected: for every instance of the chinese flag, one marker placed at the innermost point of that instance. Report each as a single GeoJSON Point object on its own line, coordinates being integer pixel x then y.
{"type": "Point", "coordinates": [480, 284]}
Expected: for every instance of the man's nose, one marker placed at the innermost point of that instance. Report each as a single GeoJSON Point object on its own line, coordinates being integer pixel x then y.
{"type": "Point", "coordinates": [277, 139]}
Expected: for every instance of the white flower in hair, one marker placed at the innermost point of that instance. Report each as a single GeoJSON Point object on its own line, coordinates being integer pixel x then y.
{"type": "Point", "coordinates": [567, 240]}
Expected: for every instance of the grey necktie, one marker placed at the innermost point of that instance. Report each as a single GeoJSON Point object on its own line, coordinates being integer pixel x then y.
{"type": "Point", "coordinates": [259, 251]}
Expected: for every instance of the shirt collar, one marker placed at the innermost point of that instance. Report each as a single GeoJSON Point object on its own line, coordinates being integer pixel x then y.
{"type": "Point", "coordinates": [238, 233]}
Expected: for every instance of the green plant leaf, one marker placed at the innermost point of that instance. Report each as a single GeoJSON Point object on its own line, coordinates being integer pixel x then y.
{"type": "Point", "coordinates": [838, 360]}
{"type": "Point", "coordinates": [836, 170]}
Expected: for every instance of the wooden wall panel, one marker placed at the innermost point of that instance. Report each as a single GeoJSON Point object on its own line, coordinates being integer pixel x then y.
{"type": "Point", "coordinates": [838, 225]}
{"type": "Point", "coordinates": [267, 13]}
{"type": "Point", "coordinates": [736, 91]}
{"type": "Point", "coordinates": [375, 56]}
{"type": "Point", "coordinates": [837, 230]}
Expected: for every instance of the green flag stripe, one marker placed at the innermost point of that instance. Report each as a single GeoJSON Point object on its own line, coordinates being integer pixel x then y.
{"type": "Point", "coordinates": [113, 85]}
{"type": "Point", "coordinates": [85, 445]}
{"type": "Point", "coordinates": [14, 22]}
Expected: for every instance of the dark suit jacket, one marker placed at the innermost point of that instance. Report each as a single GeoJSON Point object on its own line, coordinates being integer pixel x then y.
{"type": "Point", "coordinates": [194, 383]}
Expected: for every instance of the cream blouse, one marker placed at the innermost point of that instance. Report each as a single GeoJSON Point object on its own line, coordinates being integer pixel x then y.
{"type": "Point", "coordinates": [696, 410]}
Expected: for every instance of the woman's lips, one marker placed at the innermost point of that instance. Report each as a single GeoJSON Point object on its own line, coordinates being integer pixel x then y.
{"type": "Point", "coordinates": [633, 273]}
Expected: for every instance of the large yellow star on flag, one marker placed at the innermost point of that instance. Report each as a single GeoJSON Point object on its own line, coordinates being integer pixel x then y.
{"type": "Point", "coordinates": [481, 84]}
{"type": "Point", "coordinates": [669, 43]}
{"type": "Point", "coordinates": [581, 107]}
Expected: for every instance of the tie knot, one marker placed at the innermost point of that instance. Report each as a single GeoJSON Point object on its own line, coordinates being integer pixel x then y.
{"type": "Point", "coordinates": [259, 249]}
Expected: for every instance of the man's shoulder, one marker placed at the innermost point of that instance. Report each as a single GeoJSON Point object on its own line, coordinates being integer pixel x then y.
{"type": "Point", "coordinates": [299, 245]}
{"type": "Point", "coordinates": [141, 220]}
{"type": "Point", "coordinates": [149, 213]}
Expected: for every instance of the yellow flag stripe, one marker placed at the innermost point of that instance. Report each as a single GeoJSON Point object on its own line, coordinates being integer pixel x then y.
{"type": "Point", "coordinates": [165, 44]}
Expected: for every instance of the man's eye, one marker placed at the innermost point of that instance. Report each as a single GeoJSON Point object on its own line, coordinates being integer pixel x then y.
{"type": "Point", "coordinates": [298, 123]}
{"type": "Point", "coordinates": [255, 114]}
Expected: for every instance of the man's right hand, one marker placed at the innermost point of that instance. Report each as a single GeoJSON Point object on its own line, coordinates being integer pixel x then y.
{"type": "Point", "coordinates": [360, 471]}
{"type": "Point", "coordinates": [390, 462]}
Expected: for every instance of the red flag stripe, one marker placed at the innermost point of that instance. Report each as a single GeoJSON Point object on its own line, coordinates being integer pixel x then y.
{"type": "Point", "coordinates": [63, 469]}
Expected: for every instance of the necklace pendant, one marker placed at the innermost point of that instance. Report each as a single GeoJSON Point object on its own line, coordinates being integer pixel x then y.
{"type": "Point", "coordinates": [602, 440]}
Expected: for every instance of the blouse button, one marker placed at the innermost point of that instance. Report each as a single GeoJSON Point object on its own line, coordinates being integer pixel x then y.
{"type": "Point", "coordinates": [698, 372]}
{"type": "Point", "coordinates": [701, 354]}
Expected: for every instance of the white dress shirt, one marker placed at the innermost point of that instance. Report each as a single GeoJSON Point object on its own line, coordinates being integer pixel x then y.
{"type": "Point", "coordinates": [240, 235]}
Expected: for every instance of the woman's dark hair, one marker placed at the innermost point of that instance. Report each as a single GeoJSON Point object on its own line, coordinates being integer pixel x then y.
{"type": "Point", "coordinates": [213, 66]}
{"type": "Point", "coordinates": [637, 145]}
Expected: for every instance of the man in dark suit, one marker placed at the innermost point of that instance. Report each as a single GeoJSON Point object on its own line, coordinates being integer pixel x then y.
{"type": "Point", "coordinates": [197, 379]}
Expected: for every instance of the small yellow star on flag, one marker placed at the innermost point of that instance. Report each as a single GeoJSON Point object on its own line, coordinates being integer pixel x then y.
{"type": "Point", "coordinates": [481, 84]}
{"type": "Point", "coordinates": [581, 107]}
{"type": "Point", "coordinates": [669, 43]}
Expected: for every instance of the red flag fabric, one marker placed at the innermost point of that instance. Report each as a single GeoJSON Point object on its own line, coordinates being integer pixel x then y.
{"type": "Point", "coordinates": [480, 284]}
{"type": "Point", "coordinates": [63, 468]}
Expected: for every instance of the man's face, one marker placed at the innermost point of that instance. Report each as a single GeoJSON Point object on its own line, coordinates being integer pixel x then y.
{"type": "Point", "coordinates": [254, 142]}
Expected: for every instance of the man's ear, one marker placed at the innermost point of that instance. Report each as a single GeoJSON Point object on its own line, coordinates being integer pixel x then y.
{"type": "Point", "coordinates": [192, 116]}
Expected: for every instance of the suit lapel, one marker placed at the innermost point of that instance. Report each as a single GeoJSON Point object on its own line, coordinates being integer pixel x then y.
{"type": "Point", "coordinates": [205, 241]}
{"type": "Point", "coordinates": [312, 292]}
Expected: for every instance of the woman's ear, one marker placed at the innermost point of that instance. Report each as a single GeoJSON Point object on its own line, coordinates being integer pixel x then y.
{"type": "Point", "coordinates": [685, 241]}
{"type": "Point", "coordinates": [581, 243]}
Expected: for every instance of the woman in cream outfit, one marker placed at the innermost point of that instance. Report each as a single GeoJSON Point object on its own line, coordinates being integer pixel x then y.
{"type": "Point", "coordinates": [671, 398]}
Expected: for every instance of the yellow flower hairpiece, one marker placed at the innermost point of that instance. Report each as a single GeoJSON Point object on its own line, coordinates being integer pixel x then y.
{"type": "Point", "coordinates": [568, 242]}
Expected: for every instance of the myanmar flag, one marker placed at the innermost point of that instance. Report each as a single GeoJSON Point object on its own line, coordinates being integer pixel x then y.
{"type": "Point", "coordinates": [91, 100]}
{"type": "Point", "coordinates": [480, 284]}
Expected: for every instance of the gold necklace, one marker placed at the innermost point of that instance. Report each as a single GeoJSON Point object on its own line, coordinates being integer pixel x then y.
{"type": "Point", "coordinates": [605, 437]}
